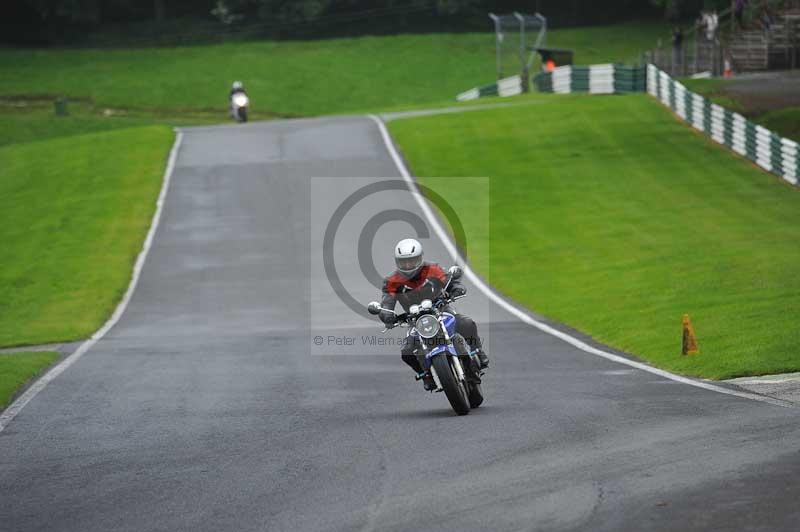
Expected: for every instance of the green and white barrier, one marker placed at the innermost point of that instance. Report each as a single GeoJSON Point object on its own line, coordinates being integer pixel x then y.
{"type": "Point", "coordinates": [767, 149]}
{"type": "Point", "coordinates": [510, 86]}
{"type": "Point", "coordinates": [594, 79]}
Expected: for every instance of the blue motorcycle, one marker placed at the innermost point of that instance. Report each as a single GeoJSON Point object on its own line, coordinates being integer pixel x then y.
{"type": "Point", "coordinates": [446, 354]}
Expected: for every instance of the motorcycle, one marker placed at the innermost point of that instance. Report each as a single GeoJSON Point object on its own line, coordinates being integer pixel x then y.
{"type": "Point", "coordinates": [455, 370]}
{"type": "Point", "coordinates": [239, 105]}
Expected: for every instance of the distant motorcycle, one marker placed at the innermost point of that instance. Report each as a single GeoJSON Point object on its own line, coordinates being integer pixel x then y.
{"type": "Point", "coordinates": [447, 356]}
{"type": "Point", "coordinates": [239, 106]}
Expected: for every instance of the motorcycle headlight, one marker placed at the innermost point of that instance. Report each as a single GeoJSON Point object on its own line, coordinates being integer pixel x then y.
{"type": "Point", "coordinates": [240, 100]}
{"type": "Point", "coordinates": [428, 326]}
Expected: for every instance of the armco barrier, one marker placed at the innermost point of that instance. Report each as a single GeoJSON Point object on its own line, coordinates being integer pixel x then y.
{"type": "Point", "coordinates": [767, 149]}
{"type": "Point", "coordinates": [504, 87]}
{"type": "Point", "coordinates": [594, 79]}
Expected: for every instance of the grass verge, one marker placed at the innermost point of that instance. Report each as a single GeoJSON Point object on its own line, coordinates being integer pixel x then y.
{"type": "Point", "coordinates": [17, 369]}
{"type": "Point", "coordinates": [74, 211]}
{"type": "Point", "coordinates": [293, 78]}
{"type": "Point", "coordinates": [611, 216]}
{"type": "Point", "coordinates": [785, 122]}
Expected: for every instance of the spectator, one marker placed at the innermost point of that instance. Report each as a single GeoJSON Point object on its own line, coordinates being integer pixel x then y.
{"type": "Point", "coordinates": [677, 44]}
{"type": "Point", "coordinates": [711, 23]}
{"type": "Point", "coordinates": [738, 12]}
{"type": "Point", "coordinates": [766, 19]}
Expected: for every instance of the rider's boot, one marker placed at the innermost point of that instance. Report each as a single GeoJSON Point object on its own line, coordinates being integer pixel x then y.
{"type": "Point", "coordinates": [427, 381]}
{"type": "Point", "coordinates": [483, 358]}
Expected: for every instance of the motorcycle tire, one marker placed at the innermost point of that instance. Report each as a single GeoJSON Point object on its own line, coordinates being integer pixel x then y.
{"type": "Point", "coordinates": [243, 114]}
{"type": "Point", "coordinates": [453, 389]}
{"type": "Point", "coordinates": [475, 395]}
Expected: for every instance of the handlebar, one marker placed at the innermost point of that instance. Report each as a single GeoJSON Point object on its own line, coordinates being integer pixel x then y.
{"type": "Point", "coordinates": [405, 316]}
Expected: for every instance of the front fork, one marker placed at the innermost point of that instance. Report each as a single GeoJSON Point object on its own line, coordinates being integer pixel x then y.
{"type": "Point", "coordinates": [455, 363]}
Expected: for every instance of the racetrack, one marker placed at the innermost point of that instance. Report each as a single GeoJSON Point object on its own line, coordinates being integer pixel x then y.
{"type": "Point", "coordinates": [209, 407]}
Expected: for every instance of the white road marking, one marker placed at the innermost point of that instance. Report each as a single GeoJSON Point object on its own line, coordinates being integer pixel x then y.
{"type": "Point", "coordinates": [527, 318]}
{"type": "Point", "coordinates": [15, 407]}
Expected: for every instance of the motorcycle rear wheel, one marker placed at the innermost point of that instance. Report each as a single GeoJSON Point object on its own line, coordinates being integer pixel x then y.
{"type": "Point", "coordinates": [453, 389]}
{"type": "Point", "coordinates": [475, 395]}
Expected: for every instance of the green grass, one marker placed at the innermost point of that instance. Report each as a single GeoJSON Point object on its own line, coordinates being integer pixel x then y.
{"type": "Point", "coordinates": [24, 122]}
{"type": "Point", "coordinates": [293, 78]}
{"type": "Point", "coordinates": [785, 122]}
{"type": "Point", "coordinates": [74, 211]}
{"type": "Point", "coordinates": [16, 369]}
{"type": "Point", "coordinates": [714, 90]}
{"type": "Point", "coordinates": [611, 216]}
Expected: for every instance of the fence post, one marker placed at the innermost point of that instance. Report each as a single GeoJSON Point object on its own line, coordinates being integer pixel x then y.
{"type": "Point", "coordinates": [683, 59]}
{"type": "Point", "coordinates": [672, 62]}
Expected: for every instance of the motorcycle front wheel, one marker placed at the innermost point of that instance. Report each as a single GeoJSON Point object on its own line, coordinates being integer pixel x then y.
{"type": "Point", "coordinates": [243, 114]}
{"type": "Point", "coordinates": [453, 388]}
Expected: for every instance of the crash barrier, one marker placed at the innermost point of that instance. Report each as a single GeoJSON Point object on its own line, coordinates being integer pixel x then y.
{"type": "Point", "coordinates": [769, 150]}
{"type": "Point", "coordinates": [594, 79]}
{"type": "Point", "coordinates": [505, 87]}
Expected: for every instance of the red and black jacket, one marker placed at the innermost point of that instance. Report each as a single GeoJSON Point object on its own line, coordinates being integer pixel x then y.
{"type": "Point", "coordinates": [427, 284]}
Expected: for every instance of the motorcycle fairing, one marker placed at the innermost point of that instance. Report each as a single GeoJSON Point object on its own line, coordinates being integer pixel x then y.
{"type": "Point", "coordinates": [449, 323]}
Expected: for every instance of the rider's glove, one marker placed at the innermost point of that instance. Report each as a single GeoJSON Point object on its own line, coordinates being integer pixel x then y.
{"type": "Point", "coordinates": [457, 291]}
{"type": "Point", "coordinates": [387, 317]}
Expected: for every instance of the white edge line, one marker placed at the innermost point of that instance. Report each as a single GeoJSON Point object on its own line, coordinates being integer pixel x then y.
{"type": "Point", "coordinates": [15, 407]}
{"type": "Point", "coordinates": [527, 318]}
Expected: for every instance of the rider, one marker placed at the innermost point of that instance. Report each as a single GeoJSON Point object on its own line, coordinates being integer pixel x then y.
{"type": "Point", "coordinates": [414, 281]}
{"type": "Point", "coordinates": [237, 86]}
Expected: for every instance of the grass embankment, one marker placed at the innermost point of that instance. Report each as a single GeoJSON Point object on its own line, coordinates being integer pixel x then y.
{"type": "Point", "coordinates": [16, 369]}
{"type": "Point", "coordinates": [779, 114]}
{"type": "Point", "coordinates": [73, 214]}
{"type": "Point", "coordinates": [291, 78]}
{"type": "Point", "coordinates": [609, 215]}
{"type": "Point", "coordinates": [77, 195]}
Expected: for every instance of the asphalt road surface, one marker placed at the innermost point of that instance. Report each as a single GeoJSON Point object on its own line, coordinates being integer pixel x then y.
{"type": "Point", "coordinates": [209, 407]}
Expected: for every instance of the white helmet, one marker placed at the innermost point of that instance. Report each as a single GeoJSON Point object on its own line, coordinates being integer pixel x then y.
{"type": "Point", "coordinates": [237, 85]}
{"type": "Point", "coordinates": [408, 257]}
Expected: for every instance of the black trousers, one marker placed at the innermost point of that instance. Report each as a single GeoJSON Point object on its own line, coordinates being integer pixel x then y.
{"type": "Point", "coordinates": [465, 326]}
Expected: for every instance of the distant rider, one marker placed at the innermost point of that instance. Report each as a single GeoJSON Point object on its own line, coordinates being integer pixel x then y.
{"type": "Point", "coordinates": [237, 87]}
{"type": "Point", "coordinates": [414, 281]}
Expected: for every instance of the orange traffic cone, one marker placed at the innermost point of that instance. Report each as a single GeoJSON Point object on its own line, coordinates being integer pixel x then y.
{"type": "Point", "coordinates": [728, 71]}
{"type": "Point", "coordinates": [689, 339]}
